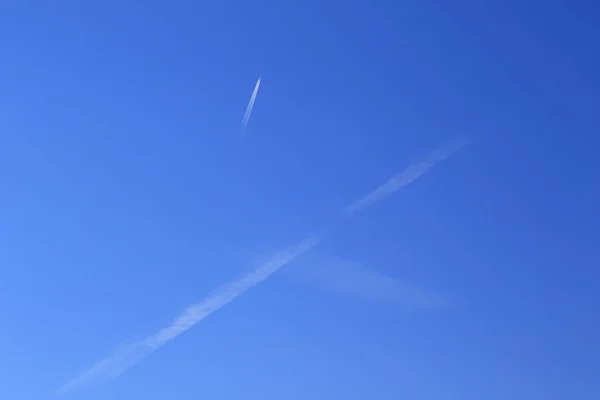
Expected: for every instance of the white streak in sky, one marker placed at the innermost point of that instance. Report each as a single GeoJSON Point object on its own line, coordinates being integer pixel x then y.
{"type": "Point", "coordinates": [199, 311]}
{"type": "Point", "coordinates": [122, 360]}
{"type": "Point", "coordinates": [407, 176]}
{"type": "Point", "coordinates": [250, 106]}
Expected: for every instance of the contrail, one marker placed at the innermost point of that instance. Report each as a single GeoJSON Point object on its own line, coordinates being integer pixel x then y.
{"type": "Point", "coordinates": [407, 176]}
{"type": "Point", "coordinates": [122, 360]}
{"type": "Point", "coordinates": [119, 362]}
{"type": "Point", "coordinates": [250, 106]}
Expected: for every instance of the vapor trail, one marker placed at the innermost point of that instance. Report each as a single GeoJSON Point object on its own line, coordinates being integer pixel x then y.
{"type": "Point", "coordinates": [250, 106]}
{"type": "Point", "coordinates": [407, 176]}
{"type": "Point", "coordinates": [124, 359]}
{"type": "Point", "coordinates": [118, 363]}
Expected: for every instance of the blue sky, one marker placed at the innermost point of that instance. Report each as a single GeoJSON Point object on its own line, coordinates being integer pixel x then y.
{"type": "Point", "coordinates": [128, 194]}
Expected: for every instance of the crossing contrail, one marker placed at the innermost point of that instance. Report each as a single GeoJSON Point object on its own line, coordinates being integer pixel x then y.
{"type": "Point", "coordinates": [122, 360]}
{"type": "Point", "coordinates": [250, 106]}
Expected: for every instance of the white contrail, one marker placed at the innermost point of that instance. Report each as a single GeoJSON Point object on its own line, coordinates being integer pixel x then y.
{"type": "Point", "coordinates": [407, 176]}
{"type": "Point", "coordinates": [122, 360]}
{"type": "Point", "coordinates": [199, 311]}
{"type": "Point", "coordinates": [250, 106]}
{"type": "Point", "coordinates": [116, 364]}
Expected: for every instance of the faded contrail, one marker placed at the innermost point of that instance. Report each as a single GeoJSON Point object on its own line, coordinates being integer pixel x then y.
{"type": "Point", "coordinates": [250, 106]}
{"type": "Point", "coordinates": [124, 359]}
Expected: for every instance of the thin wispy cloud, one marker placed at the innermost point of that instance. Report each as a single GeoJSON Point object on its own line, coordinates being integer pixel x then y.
{"type": "Point", "coordinates": [353, 279]}
{"type": "Point", "coordinates": [250, 106]}
{"type": "Point", "coordinates": [126, 358]}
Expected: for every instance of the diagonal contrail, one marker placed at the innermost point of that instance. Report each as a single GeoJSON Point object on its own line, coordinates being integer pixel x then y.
{"type": "Point", "coordinates": [250, 106]}
{"type": "Point", "coordinates": [407, 176]}
{"type": "Point", "coordinates": [116, 364]}
{"type": "Point", "coordinates": [119, 362]}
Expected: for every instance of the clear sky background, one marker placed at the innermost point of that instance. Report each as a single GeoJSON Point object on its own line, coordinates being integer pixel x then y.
{"type": "Point", "coordinates": [128, 193]}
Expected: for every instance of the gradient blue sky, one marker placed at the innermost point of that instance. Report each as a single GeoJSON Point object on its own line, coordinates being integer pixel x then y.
{"type": "Point", "coordinates": [127, 195]}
